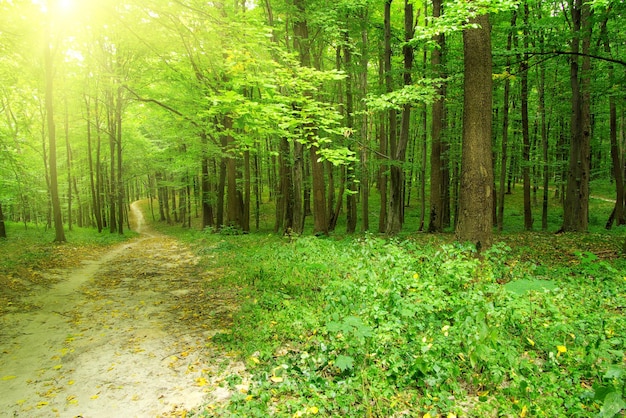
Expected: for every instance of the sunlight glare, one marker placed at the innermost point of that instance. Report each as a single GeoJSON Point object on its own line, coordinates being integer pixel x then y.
{"type": "Point", "coordinates": [66, 5]}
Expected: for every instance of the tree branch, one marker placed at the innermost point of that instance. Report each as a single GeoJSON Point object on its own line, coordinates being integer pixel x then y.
{"type": "Point", "coordinates": [580, 54]}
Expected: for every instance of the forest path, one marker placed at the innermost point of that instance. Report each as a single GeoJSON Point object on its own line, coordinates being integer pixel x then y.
{"type": "Point", "coordinates": [121, 336]}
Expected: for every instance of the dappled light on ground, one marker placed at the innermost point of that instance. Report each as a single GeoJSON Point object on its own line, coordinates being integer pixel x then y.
{"type": "Point", "coordinates": [126, 334]}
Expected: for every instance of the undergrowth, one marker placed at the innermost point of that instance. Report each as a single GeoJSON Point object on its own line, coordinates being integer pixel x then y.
{"type": "Point", "coordinates": [375, 327]}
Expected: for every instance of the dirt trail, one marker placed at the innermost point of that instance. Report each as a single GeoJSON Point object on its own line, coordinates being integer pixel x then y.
{"type": "Point", "coordinates": [115, 338]}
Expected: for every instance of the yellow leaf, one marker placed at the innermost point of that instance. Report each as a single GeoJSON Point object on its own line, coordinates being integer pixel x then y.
{"type": "Point", "coordinates": [8, 377]}
{"type": "Point", "coordinates": [427, 415]}
{"type": "Point", "coordinates": [451, 415]}
{"type": "Point", "coordinates": [524, 411]}
{"type": "Point", "coordinates": [416, 276]}
{"type": "Point", "coordinates": [58, 367]}
{"type": "Point", "coordinates": [71, 382]}
{"type": "Point", "coordinates": [41, 404]}
{"type": "Point", "coordinates": [94, 397]}
{"type": "Point", "coordinates": [255, 360]}
{"type": "Point", "coordinates": [276, 379]}
{"type": "Point", "coordinates": [249, 398]}
{"type": "Point", "coordinates": [531, 342]}
{"type": "Point", "coordinates": [201, 381]}
{"type": "Point", "coordinates": [561, 348]}
{"type": "Point", "coordinates": [312, 410]}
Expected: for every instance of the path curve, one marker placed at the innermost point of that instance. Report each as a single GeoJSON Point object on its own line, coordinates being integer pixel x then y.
{"type": "Point", "coordinates": [117, 337]}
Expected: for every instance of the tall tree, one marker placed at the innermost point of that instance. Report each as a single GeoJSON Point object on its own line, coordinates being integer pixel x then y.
{"type": "Point", "coordinates": [576, 206]}
{"type": "Point", "coordinates": [52, 144]}
{"type": "Point", "coordinates": [476, 189]}
{"type": "Point", "coordinates": [437, 158]}
{"type": "Point", "coordinates": [395, 216]}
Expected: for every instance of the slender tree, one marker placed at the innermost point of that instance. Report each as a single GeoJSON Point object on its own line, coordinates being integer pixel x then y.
{"type": "Point", "coordinates": [52, 144]}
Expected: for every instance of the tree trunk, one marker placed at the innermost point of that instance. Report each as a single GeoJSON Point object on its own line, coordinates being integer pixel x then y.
{"type": "Point", "coordinates": [94, 195]}
{"type": "Point", "coordinates": [118, 143]}
{"type": "Point", "coordinates": [395, 218]}
{"type": "Point", "coordinates": [351, 204]}
{"type": "Point", "coordinates": [320, 223]}
{"type": "Point", "coordinates": [365, 222]}
{"type": "Point", "coordinates": [247, 187]}
{"type": "Point", "coordinates": [475, 200]}
{"type": "Point", "coordinates": [232, 201]}
{"type": "Point", "coordinates": [59, 233]}
{"type": "Point", "coordinates": [576, 207]}
{"type": "Point", "coordinates": [298, 187]}
{"type": "Point", "coordinates": [436, 216]}
{"type": "Point", "coordinates": [619, 212]}
{"type": "Point", "coordinates": [205, 186]}
{"type": "Point", "coordinates": [3, 230]}
{"type": "Point", "coordinates": [68, 159]}
{"type": "Point", "coordinates": [528, 215]}
{"type": "Point", "coordinates": [505, 126]}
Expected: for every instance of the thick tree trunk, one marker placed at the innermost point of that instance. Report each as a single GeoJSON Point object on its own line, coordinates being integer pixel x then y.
{"type": "Point", "coordinates": [320, 223]}
{"type": "Point", "coordinates": [475, 200]}
{"type": "Point", "coordinates": [54, 182]}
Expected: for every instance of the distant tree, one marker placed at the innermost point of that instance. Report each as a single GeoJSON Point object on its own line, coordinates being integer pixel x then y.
{"type": "Point", "coordinates": [3, 231]}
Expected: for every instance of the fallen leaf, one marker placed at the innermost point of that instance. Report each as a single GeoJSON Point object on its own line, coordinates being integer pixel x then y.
{"type": "Point", "coordinates": [8, 377]}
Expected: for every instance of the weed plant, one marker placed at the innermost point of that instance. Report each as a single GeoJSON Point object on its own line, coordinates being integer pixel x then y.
{"type": "Point", "coordinates": [377, 327]}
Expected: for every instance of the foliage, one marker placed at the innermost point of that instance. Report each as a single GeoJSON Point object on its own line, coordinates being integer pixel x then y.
{"type": "Point", "coordinates": [377, 327]}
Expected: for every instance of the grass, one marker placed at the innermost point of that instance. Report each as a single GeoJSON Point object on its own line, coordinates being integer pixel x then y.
{"type": "Point", "coordinates": [417, 326]}
{"type": "Point", "coordinates": [28, 250]}
{"type": "Point", "coordinates": [368, 326]}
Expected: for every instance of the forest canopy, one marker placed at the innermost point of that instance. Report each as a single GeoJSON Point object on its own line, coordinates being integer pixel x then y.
{"type": "Point", "coordinates": [298, 116]}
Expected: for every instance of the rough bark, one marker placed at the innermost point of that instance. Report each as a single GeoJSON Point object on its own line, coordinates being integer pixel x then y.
{"type": "Point", "coordinates": [475, 200]}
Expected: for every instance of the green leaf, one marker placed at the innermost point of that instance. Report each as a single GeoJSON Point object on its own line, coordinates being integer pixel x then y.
{"type": "Point", "coordinates": [614, 372]}
{"type": "Point", "coordinates": [344, 362]}
{"type": "Point", "coordinates": [613, 404]}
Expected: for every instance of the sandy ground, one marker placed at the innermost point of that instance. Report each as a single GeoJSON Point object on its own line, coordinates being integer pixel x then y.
{"type": "Point", "coordinates": [125, 335]}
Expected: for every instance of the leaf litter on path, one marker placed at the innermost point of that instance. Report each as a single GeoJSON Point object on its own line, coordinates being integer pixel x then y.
{"type": "Point", "coordinates": [127, 334]}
